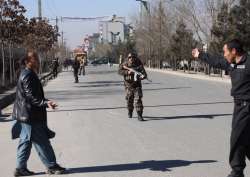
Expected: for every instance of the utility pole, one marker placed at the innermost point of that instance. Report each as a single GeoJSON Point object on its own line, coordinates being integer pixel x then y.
{"type": "Point", "coordinates": [57, 24]}
{"type": "Point", "coordinates": [40, 18]}
{"type": "Point", "coordinates": [145, 7]}
{"type": "Point", "coordinates": [62, 39]}
{"type": "Point", "coordinates": [150, 32]}
{"type": "Point", "coordinates": [40, 9]}
{"type": "Point", "coordinates": [160, 51]}
{"type": "Point", "coordinates": [57, 28]}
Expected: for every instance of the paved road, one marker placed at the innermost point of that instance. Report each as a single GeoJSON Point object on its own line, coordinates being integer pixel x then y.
{"type": "Point", "coordinates": [186, 133]}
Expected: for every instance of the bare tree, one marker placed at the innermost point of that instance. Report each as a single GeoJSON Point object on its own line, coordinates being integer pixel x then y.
{"type": "Point", "coordinates": [16, 30]}
{"type": "Point", "coordinates": [153, 34]}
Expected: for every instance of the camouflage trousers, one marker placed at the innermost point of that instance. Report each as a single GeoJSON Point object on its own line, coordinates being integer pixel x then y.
{"type": "Point", "coordinates": [134, 95]}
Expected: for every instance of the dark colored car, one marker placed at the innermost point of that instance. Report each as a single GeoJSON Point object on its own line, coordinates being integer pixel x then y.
{"type": "Point", "coordinates": [100, 61]}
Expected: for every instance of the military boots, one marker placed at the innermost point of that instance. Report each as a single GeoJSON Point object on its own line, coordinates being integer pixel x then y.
{"type": "Point", "coordinates": [130, 113]}
{"type": "Point", "coordinates": [140, 118]}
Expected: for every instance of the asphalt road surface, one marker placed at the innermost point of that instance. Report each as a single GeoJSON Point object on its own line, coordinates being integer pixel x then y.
{"type": "Point", "coordinates": [186, 132]}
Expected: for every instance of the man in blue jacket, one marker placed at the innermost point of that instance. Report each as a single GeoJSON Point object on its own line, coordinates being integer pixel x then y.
{"type": "Point", "coordinates": [31, 120]}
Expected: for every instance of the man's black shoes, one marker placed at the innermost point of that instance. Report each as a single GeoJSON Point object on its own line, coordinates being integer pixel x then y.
{"type": "Point", "coordinates": [236, 174]}
{"type": "Point", "coordinates": [130, 114]}
{"type": "Point", "coordinates": [56, 170]}
{"type": "Point", "coordinates": [23, 172]}
{"type": "Point", "coordinates": [139, 114]}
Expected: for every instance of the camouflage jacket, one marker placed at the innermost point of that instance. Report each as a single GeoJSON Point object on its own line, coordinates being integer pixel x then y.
{"type": "Point", "coordinates": [129, 79]}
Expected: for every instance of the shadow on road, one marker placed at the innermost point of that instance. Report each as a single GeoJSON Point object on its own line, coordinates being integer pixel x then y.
{"type": "Point", "coordinates": [4, 115]}
{"type": "Point", "coordinates": [153, 165]}
{"type": "Point", "coordinates": [112, 84]}
{"type": "Point", "coordinates": [100, 85]}
{"type": "Point", "coordinates": [101, 72]}
{"type": "Point", "coordinates": [152, 106]}
{"type": "Point", "coordinates": [84, 94]}
{"type": "Point", "coordinates": [205, 116]}
{"type": "Point", "coordinates": [103, 82]}
{"type": "Point", "coordinates": [169, 88]}
{"type": "Point", "coordinates": [5, 118]}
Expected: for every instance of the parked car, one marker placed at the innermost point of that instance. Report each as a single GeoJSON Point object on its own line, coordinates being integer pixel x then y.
{"type": "Point", "coordinates": [100, 61]}
{"type": "Point", "coordinates": [165, 65]}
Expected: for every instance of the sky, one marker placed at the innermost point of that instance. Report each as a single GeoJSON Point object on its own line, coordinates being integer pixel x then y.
{"type": "Point", "coordinates": [75, 31]}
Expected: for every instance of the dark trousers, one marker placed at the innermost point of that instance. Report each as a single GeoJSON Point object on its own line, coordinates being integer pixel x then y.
{"type": "Point", "coordinates": [76, 75]}
{"type": "Point", "coordinates": [240, 137]}
{"type": "Point", "coordinates": [55, 72]}
{"type": "Point", "coordinates": [39, 138]}
{"type": "Point", "coordinates": [134, 95]}
{"type": "Point", "coordinates": [82, 70]}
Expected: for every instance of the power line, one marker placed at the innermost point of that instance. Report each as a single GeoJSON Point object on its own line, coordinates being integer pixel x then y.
{"type": "Point", "coordinates": [52, 11]}
{"type": "Point", "coordinates": [83, 18]}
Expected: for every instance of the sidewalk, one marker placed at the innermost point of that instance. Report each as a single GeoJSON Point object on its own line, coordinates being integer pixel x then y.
{"type": "Point", "coordinates": [7, 98]}
{"type": "Point", "coordinates": [225, 79]}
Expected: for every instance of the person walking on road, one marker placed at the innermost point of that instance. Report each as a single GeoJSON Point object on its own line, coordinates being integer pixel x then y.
{"type": "Point", "coordinates": [55, 65]}
{"type": "Point", "coordinates": [133, 85]}
{"type": "Point", "coordinates": [237, 62]}
{"type": "Point", "coordinates": [76, 66]}
{"type": "Point", "coordinates": [82, 66]}
{"type": "Point", "coordinates": [30, 117]}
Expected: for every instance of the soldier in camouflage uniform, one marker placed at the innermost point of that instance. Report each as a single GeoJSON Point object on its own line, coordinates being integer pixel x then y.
{"type": "Point", "coordinates": [133, 85]}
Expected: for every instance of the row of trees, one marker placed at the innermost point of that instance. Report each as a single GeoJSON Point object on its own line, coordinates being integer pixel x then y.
{"type": "Point", "coordinates": [19, 32]}
{"type": "Point", "coordinates": [166, 32]}
{"type": "Point", "coordinates": [169, 30]}
{"type": "Point", "coordinates": [232, 22]}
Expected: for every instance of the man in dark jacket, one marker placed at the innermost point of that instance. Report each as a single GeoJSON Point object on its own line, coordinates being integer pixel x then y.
{"type": "Point", "coordinates": [237, 63]}
{"type": "Point", "coordinates": [132, 82]}
{"type": "Point", "coordinates": [30, 117]}
{"type": "Point", "coordinates": [55, 65]}
{"type": "Point", "coordinates": [76, 66]}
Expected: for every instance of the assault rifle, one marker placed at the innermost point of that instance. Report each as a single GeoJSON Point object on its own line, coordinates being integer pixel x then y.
{"type": "Point", "coordinates": [136, 74]}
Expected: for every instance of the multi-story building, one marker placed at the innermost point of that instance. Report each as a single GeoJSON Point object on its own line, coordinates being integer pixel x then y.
{"type": "Point", "coordinates": [94, 40]}
{"type": "Point", "coordinates": [113, 30]}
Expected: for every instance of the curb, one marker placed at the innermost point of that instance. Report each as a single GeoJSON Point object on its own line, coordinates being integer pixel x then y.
{"type": "Point", "coordinates": [188, 75]}
{"type": "Point", "coordinates": [8, 97]}
{"type": "Point", "coordinates": [192, 76]}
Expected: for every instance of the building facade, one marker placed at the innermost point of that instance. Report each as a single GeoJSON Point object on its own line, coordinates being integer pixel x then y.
{"type": "Point", "coordinates": [112, 31]}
